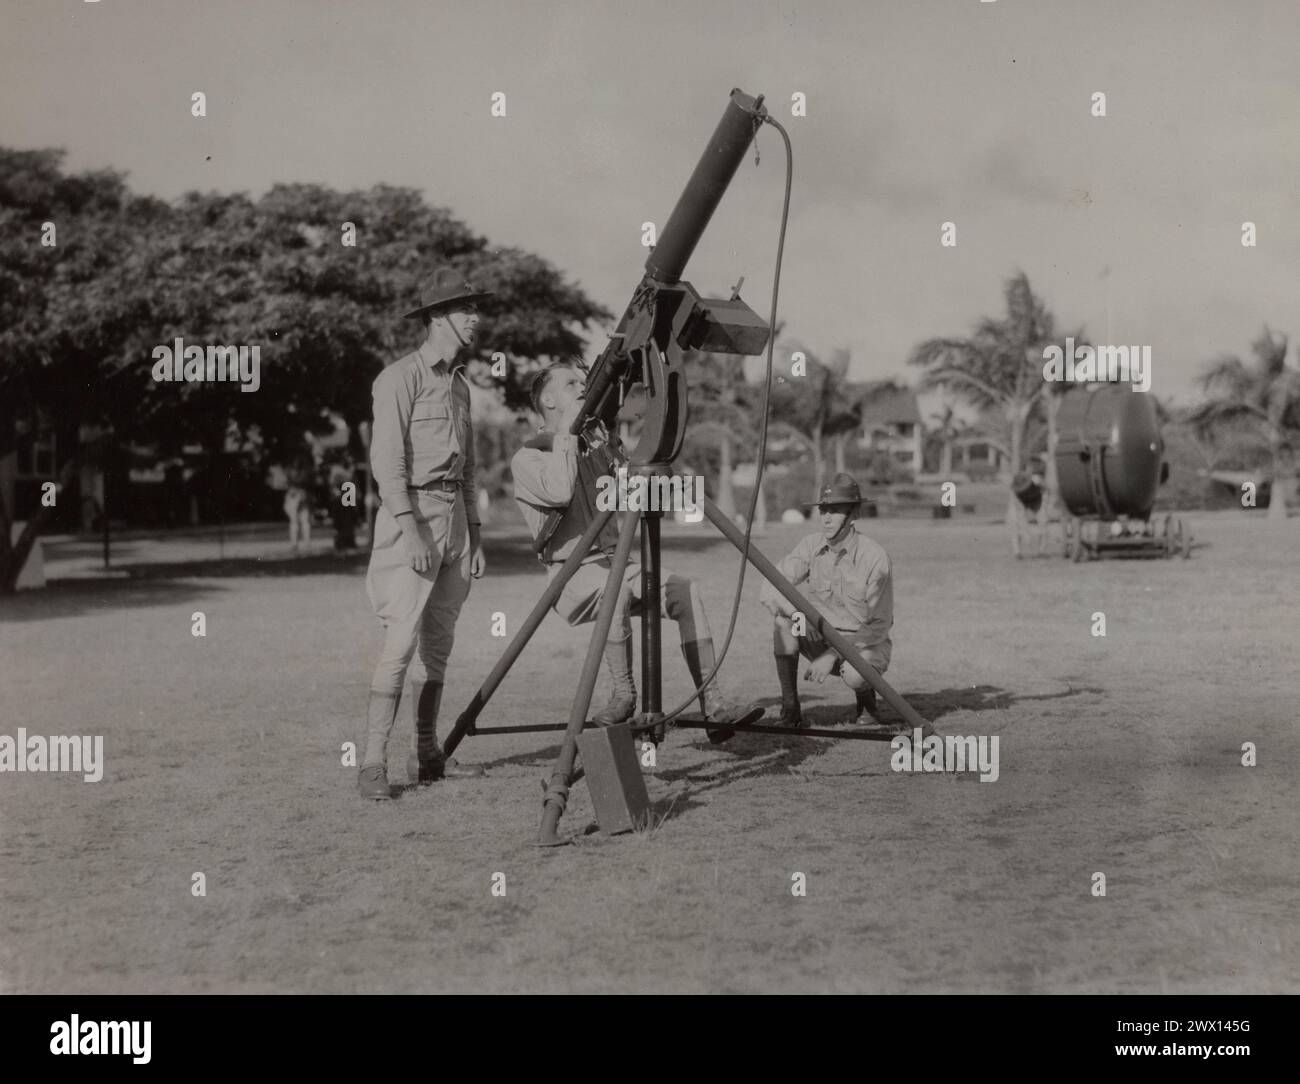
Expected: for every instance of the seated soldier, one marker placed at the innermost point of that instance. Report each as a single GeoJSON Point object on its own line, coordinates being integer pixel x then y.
{"type": "Point", "coordinates": [847, 577]}
{"type": "Point", "coordinates": [553, 473]}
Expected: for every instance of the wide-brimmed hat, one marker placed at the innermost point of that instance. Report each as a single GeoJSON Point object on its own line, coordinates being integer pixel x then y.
{"type": "Point", "coordinates": [842, 489]}
{"type": "Point", "coordinates": [445, 289]}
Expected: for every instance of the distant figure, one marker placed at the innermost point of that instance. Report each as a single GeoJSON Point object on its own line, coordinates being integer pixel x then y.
{"type": "Point", "coordinates": [174, 489]}
{"type": "Point", "coordinates": [1027, 487]}
{"type": "Point", "coordinates": [298, 507]}
{"type": "Point", "coordinates": [343, 515]}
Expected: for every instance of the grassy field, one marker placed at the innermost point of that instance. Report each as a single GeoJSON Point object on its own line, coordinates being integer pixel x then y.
{"type": "Point", "coordinates": [1119, 755]}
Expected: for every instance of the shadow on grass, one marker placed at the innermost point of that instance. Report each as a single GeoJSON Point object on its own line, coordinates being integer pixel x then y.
{"type": "Point", "coordinates": [752, 754]}
{"type": "Point", "coordinates": [515, 555]}
{"type": "Point", "coordinates": [317, 564]}
{"type": "Point", "coordinates": [936, 705]}
{"type": "Point", "coordinates": [163, 583]}
{"type": "Point", "coordinates": [68, 598]}
{"type": "Point", "coordinates": [507, 556]}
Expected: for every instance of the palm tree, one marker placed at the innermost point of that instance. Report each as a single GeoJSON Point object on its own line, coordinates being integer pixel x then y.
{"type": "Point", "coordinates": [719, 411]}
{"type": "Point", "coordinates": [819, 405]}
{"type": "Point", "coordinates": [948, 428]}
{"type": "Point", "coordinates": [1000, 369]}
{"type": "Point", "coordinates": [1267, 396]}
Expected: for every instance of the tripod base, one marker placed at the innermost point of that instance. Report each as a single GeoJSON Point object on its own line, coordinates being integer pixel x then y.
{"type": "Point", "coordinates": [621, 777]}
{"type": "Point", "coordinates": [614, 778]}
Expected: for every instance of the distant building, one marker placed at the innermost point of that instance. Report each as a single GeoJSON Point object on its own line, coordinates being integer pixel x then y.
{"type": "Point", "coordinates": [891, 424]}
{"type": "Point", "coordinates": [973, 454]}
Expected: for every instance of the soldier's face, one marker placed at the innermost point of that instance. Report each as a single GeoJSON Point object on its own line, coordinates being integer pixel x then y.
{"type": "Point", "coordinates": [837, 520]}
{"type": "Point", "coordinates": [564, 394]}
{"type": "Point", "coordinates": [465, 322]}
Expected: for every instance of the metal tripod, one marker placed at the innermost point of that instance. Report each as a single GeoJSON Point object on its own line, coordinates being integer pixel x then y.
{"type": "Point", "coordinates": [563, 774]}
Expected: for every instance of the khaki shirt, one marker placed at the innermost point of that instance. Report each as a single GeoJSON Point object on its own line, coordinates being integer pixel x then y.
{"type": "Point", "coordinates": [851, 584]}
{"type": "Point", "coordinates": [422, 431]}
{"type": "Point", "coordinates": [545, 481]}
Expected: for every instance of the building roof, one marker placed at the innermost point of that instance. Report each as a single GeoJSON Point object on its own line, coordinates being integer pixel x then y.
{"type": "Point", "coordinates": [888, 404]}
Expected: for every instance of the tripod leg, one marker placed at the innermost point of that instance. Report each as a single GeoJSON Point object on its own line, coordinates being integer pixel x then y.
{"type": "Point", "coordinates": [832, 636]}
{"type": "Point", "coordinates": [558, 792]}
{"type": "Point", "coordinates": [651, 642]}
{"type": "Point", "coordinates": [467, 717]}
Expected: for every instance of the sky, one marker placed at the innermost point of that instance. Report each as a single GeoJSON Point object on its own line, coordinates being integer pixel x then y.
{"type": "Point", "coordinates": [918, 112]}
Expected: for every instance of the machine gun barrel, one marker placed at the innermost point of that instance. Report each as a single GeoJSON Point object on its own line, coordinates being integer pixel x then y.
{"type": "Point", "coordinates": [677, 240]}
{"type": "Point", "coordinates": [705, 189]}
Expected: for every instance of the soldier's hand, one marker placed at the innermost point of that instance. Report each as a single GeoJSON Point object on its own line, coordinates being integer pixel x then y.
{"type": "Point", "coordinates": [418, 552]}
{"type": "Point", "coordinates": [820, 669]}
{"type": "Point", "coordinates": [477, 562]}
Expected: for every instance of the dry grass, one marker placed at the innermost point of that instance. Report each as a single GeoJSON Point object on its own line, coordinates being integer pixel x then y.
{"type": "Point", "coordinates": [1119, 755]}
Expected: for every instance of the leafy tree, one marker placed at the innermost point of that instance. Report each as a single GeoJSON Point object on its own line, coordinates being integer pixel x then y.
{"type": "Point", "coordinates": [1264, 396]}
{"type": "Point", "coordinates": [79, 321]}
{"type": "Point", "coordinates": [819, 405]}
{"type": "Point", "coordinates": [999, 369]}
{"type": "Point", "coordinates": [947, 428]}
{"type": "Point", "coordinates": [69, 312]}
{"type": "Point", "coordinates": [721, 407]}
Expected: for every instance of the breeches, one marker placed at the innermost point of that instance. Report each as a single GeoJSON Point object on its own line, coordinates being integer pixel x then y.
{"type": "Point", "coordinates": [419, 609]}
{"type": "Point", "coordinates": [679, 600]}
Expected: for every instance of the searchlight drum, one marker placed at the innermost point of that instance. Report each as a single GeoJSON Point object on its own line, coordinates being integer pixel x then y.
{"type": "Point", "coordinates": [1109, 465]}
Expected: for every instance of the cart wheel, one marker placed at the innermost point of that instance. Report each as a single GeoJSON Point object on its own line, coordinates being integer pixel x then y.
{"type": "Point", "coordinates": [1184, 540]}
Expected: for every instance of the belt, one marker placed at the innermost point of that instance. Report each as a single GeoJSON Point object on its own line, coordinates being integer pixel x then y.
{"type": "Point", "coordinates": [447, 486]}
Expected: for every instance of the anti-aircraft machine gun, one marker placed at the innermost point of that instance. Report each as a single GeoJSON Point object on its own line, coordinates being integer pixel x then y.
{"type": "Point", "coordinates": [665, 317]}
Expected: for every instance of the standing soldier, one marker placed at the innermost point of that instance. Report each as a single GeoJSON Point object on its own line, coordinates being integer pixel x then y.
{"type": "Point", "coordinates": [426, 545]}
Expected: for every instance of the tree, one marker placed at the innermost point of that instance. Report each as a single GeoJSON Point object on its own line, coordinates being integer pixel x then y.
{"type": "Point", "coordinates": [1266, 396]}
{"type": "Point", "coordinates": [947, 428]}
{"type": "Point", "coordinates": [68, 312]}
{"type": "Point", "coordinates": [79, 321]}
{"type": "Point", "coordinates": [1000, 369]}
{"type": "Point", "coordinates": [818, 405]}
{"type": "Point", "coordinates": [719, 404]}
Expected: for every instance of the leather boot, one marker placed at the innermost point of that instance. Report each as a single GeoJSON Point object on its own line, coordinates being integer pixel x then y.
{"type": "Point", "coordinates": [427, 763]}
{"type": "Point", "coordinates": [867, 719]}
{"type": "Point", "coordinates": [622, 693]}
{"type": "Point", "coordinates": [866, 704]}
{"type": "Point", "coordinates": [787, 673]}
{"type": "Point", "coordinates": [716, 705]}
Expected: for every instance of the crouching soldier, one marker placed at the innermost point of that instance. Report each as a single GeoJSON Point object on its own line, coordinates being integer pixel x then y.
{"type": "Point", "coordinates": [552, 474]}
{"type": "Point", "coordinates": [847, 577]}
